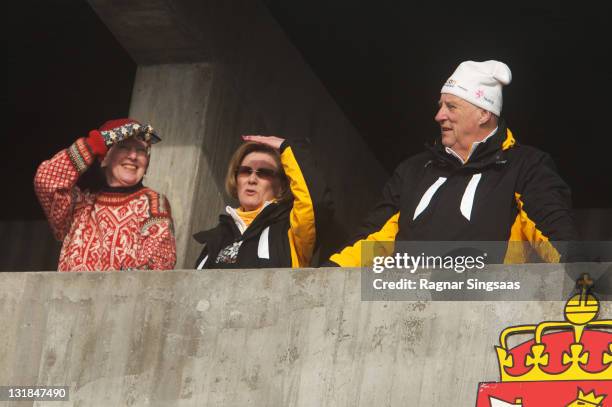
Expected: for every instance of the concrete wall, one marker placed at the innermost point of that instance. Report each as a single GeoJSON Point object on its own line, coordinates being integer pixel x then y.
{"type": "Point", "coordinates": [251, 338]}
{"type": "Point", "coordinates": [210, 71]}
{"type": "Point", "coordinates": [175, 98]}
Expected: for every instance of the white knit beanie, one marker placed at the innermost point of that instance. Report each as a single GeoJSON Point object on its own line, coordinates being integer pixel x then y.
{"type": "Point", "coordinates": [480, 83]}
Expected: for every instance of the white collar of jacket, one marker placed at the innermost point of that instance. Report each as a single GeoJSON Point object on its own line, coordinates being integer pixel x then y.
{"type": "Point", "coordinates": [472, 149]}
{"type": "Point", "coordinates": [238, 220]}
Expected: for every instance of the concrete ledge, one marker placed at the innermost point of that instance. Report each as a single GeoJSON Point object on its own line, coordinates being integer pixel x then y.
{"type": "Point", "coordinates": [249, 338]}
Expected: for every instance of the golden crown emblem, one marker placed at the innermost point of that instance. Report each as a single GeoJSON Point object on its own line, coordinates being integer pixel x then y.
{"type": "Point", "coordinates": [590, 399]}
{"type": "Point", "coordinates": [573, 363]}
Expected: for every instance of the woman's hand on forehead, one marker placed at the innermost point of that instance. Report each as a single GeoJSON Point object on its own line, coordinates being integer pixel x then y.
{"type": "Point", "coordinates": [272, 141]}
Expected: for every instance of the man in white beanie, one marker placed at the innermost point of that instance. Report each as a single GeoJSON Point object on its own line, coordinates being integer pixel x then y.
{"type": "Point", "coordinates": [470, 105]}
{"type": "Point", "coordinates": [476, 183]}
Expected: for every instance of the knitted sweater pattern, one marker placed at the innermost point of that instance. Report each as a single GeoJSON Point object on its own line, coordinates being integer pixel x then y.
{"type": "Point", "coordinates": [104, 230]}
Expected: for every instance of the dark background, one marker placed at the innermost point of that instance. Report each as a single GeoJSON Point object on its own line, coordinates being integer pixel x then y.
{"type": "Point", "coordinates": [383, 62]}
{"type": "Point", "coordinates": [67, 75]}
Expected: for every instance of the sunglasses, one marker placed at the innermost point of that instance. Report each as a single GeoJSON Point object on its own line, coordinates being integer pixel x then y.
{"type": "Point", "coordinates": [262, 173]}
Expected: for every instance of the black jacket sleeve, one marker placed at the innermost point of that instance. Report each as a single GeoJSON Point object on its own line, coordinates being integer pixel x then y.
{"type": "Point", "coordinates": [544, 204]}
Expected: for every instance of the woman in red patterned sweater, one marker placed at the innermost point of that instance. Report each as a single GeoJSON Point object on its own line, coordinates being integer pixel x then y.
{"type": "Point", "coordinates": [123, 226]}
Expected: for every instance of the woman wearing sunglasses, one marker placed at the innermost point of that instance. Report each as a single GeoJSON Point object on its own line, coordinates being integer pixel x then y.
{"type": "Point", "coordinates": [281, 203]}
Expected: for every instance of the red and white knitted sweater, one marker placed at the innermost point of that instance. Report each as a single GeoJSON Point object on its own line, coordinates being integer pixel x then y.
{"type": "Point", "coordinates": [105, 230]}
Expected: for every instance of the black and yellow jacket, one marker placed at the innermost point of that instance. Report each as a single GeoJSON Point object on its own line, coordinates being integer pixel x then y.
{"type": "Point", "coordinates": [284, 234]}
{"type": "Point", "coordinates": [505, 192]}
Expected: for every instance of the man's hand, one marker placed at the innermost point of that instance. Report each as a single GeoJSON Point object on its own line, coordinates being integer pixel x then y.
{"type": "Point", "coordinates": [272, 141]}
